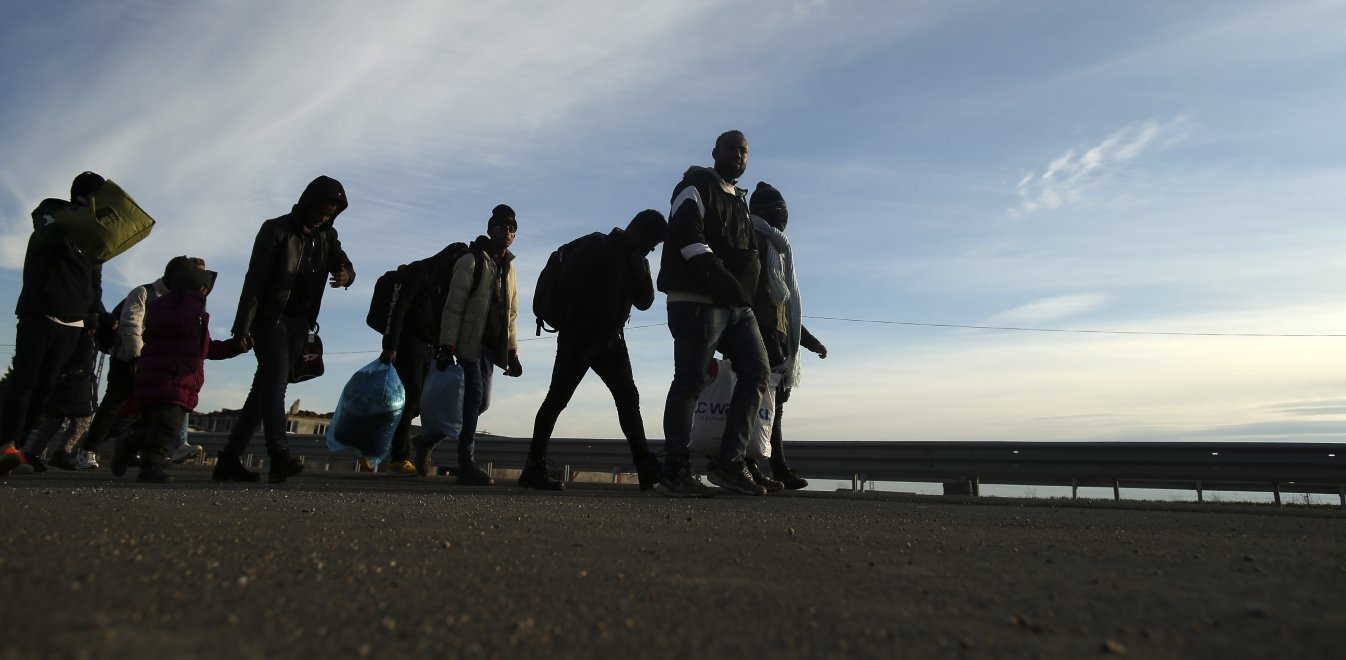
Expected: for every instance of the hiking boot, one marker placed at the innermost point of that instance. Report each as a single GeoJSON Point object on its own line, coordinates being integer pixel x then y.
{"type": "Point", "coordinates": [537, 475]}
{"type": "Point", "coordinates": [9, 459]}
{"type": "Point", "coordinates": [283, 466]}
{"type": "Point", "coordinates": [402, 467]}
{"type": "Point", "coordinates": [123, 453]}
{"type": "Point", "coordinates": [365, 465]}
{"type": "Point", "coordinates": [733, 477]}
{"type": "Point", "coordinates": [424, 466]}
{"type": "Point", "coordinates": [229, 467]}
{"type": "Point", "coordinates": [647, 471]}
{"type": "Point", "coordinates": [788, 477]}
{"type": "Point", "coordinates": [86, 459]}
{"type": "Point", "coordinates": [771, 485]}
{"type": "Point", "coordinates": [684, 486]}
{"type": "Point", "coordinates": [153, 474]}
{"type": "Point", "coordinates": [39, 466]}
{"type": "Point", "coordinates": [63, 460]}
{"type": "Point", "coordinates": [186, 452]}
{"type": "Point", "coordinates": [471, 475]}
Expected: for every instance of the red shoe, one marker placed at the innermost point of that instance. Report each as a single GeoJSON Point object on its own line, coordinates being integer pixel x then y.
{"type": "Point", "coordinates": [9, 459]}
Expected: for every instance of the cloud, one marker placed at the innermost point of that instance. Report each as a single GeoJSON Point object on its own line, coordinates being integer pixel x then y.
{"type": "Point", "coordinates": [1070, 178]}
{"type": "Point", "coordinates": [1050, 309]}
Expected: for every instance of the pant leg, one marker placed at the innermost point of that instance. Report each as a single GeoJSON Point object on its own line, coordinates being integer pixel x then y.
{"type": "Point", "coordinates": [41, 349]}
{"type": "Point", "coordinates": [613, 365]}
{"type": "Point", "coordinates": [573, 354]}
{"type": "Point", "coordinates": [74, 431]}
{"type": "Point", "coordinates": [276, 348]}
{"type": "Point", "coordinates": [37, 442]}
{"type": "Point", "coordinates": [472, 396]}
{"type": "Point", "coordinates": [159, 426]}
{"type": "Point", "coordinates": [413, 363]}
{"type": "Point", "coordinates": [487, 375]}
{"type": "Point", "coordinates": [696, 329]}
{"type": "Point", "coordinates": [778, 464]}
{"type": "Point", "coordinates": [741, 342]}
{"type": "Point", "coordinates": [120, 384]}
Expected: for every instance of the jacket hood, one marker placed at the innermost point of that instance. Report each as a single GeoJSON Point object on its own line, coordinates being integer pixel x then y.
{"type": "Point", "coordinates": [482, 244]}
{"type": "Point", "coordinates": [321, 190]}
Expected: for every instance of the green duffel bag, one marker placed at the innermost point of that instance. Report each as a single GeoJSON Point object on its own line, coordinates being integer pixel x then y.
{"type": "Point", "coordinates": [107, 226]}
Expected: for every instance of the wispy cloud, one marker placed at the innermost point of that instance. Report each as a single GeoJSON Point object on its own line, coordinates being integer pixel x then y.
{"type": "Point", "coordinates": [1069, 178]}
{"type": "Point", "coordinates": [1050, 309]}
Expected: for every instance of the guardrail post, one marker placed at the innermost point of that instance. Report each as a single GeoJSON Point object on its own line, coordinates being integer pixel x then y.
{"type": "Point", "coordinates": [1341, 490]}
{"type": "Point", "coordinates": [1199, 495]}
{"type": "Point", "coordinates": [1074, 489]}
{"type": "Point", "coordinates": [976, 486]}
{"type": "Point", "coordinates": [565, 473]}
{"type": "Point", "coordinates": [855, 482]}
{"type": "Point", "coordinates": [1276, 490]}
{"type": "Point", "coordinates": [1116, 491]}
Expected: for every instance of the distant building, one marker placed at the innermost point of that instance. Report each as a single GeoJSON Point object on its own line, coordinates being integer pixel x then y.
{"type": "Point", "coordinates": [301, 422]}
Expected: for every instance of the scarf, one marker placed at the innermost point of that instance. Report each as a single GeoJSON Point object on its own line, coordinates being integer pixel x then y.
{"type": "Point", "coordinates": [783, 289]}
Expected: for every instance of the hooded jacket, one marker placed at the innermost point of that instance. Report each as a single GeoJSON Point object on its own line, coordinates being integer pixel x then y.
{"type": "Point", "coordinates": [710, 251]}
{"type": "Point", "coordinates": [59, 281]}
{"type": "Point", "coordinates": [466, 309]}
{"type": "Point", "coordinates": [280, 248]}
{"type": "Point", "coordinates": [171, 370]}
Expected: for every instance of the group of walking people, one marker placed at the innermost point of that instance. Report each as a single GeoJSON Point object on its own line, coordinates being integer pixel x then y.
{"type": "Point", "coordinates": [727, 270]}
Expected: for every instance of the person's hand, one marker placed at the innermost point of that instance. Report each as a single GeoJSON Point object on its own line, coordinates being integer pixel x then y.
{"type": "Point", "coordinates": [243, 340]}
{"type": "Point", "coordinates": [821, 351]}
{"type": "Point", "coordinates": [444, 356]}
{"type": "Point", "coordinates": [515, 368]}
{"type": "Point", "coordinates": [341, 279]}
{"type": "Point", "coordinates": [388, 357]}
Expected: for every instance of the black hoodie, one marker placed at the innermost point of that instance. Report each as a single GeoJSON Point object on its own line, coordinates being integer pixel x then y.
{"type": "Point", "coordinates": [59, 281]}
{"type": "Point", "coordinates": [286, 263]}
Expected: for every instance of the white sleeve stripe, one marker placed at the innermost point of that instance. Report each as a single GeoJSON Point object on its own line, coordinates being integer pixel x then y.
{"type": "Point", "coordinates": [695, 250]}
{"type": "Point", "coordinates": [688, 193]}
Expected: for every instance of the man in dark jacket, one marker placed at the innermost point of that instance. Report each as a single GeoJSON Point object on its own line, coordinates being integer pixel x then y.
{"type": "Point", "coordinates": [601, 277]}
{"type": "Point", "coordinates": [61, 297]}
{"type": "Point", "coordinates": [282, 292]}
{"type": "Point", "coordinates": [709, 270]}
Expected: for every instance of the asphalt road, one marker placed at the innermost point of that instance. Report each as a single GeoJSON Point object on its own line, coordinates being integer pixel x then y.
{"type": "Point", "coordinates": [361, 565]}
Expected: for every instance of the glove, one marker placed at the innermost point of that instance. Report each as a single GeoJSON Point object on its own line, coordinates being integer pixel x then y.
{"type": "Point", "coordinates": [515, 368]}
{"type": "Point", "coordinates": [444, 356]}
{"type": "Point", "coordinates": [722, 286]}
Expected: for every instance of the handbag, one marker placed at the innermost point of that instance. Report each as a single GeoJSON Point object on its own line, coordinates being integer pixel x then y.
{"type": "Point", "coordinates": [308, 365]}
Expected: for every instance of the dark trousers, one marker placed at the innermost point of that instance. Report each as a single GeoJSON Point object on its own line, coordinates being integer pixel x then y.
{"type": "Point", "coordinates": [413, 363]}
{"type": "Point", "coordinates": [41, 349]}
{"type": "Point", "coordinates": [276, 348]}
{"type": "Point", "coordinates": [575, 356]}
{"type": "Point", "coordinates": [778, 464]}
{"type": "Point", "coordinates": [121, 380]}
{"type": "Point", "coordinates": [157, 432]}
{"type": "Point", "coordinates": [476, 399]}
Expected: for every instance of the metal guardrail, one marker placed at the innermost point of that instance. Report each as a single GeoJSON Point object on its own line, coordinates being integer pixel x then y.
{"type": "Point", "coordinates": [1295, 467]}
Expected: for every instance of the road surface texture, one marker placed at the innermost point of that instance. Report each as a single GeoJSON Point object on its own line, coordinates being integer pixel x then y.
{"type": "Point", "coordinates": [364, 565]}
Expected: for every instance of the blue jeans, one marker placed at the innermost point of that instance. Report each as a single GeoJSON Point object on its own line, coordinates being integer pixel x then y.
{"type": "Point", "coordinates": [699, 330]}
{"type": "Point", "coordinates": [276, 348]}
{"type": "Point", "coordinates": [476, 399]}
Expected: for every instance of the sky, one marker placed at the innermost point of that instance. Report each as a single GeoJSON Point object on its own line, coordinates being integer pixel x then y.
{"type": "Point", "coordinates": [1137, 167]}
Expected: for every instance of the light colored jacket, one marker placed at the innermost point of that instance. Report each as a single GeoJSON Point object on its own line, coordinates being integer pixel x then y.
{"type": "Point", "coordinates": [464, 319]}
{"type": "Point", "coordinates": [131, 324]}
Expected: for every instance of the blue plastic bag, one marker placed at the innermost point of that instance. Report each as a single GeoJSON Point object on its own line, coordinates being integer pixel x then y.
{"type": "Point", "coordinates": [367, 413]}
{"type": "Point", "coordinates": [442, 402]}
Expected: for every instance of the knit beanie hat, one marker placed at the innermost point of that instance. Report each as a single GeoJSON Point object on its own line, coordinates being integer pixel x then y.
{"type": "Point", "coordinates": [765, 195]}
{"type": "Point", "coordinates": [502, 214]}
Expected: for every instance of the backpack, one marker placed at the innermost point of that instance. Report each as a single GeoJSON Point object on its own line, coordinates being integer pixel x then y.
{"type": "Point", "coordinates": [388, 289]}
{"type": "Point", "coordinates": [549, 304]}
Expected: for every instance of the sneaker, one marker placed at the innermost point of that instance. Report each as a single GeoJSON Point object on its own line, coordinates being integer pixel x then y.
{"type": "Point", "coordinates": [647, 471]}
{"type": "Point", "coordinates": [402, 467]}
{"type": "Point", "coordinates": [771, 485]}
{"type": "Point", "coordinates": [684, 486]}
{"type": "Point", "coordinates": [733, 477]}
{"type": "Point", "coordinates": [86, 460]}
{"type": "Point", "coordinates": [283, 466]}
{"type": "Point", "coordinates": [472, 475]}
{"type": "Point", "coordinates": [186, 452]}
{"type": "Point", "coordinates": [39, 466]}
{"type": "Point", "coordinates": [537, 475]}
{"type": "Point", "coordinates": [424, 466]}
{"type": "Point", "coordinates": [63, 460]}
{"type": "Point", "coordinates": [9, 459]}
{"type": "Point", "coordinates": [153, 474]}
{"type": "Point", "coordinates": [365, 465]}
{"type": "Point", "coordinates": [790, 480]}
{"type": "Point", "coordinates": [229, 467]}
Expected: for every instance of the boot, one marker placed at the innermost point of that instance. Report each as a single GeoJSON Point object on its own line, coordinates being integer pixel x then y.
{"type": "Point", "coordinates": [537, 475]}
{"type": "Point", "coordinates": [63, 460]}
{"type": "Point", "coordinates": [424, 447]}
{"type": "Point", "coordinates": [283, 466]}
{"type": "Point", "coordinates": [471, 475]}
{"type": "Point", "coordinates": [771, 485]}
{"type": "Point", "coordinates": [153, 474]}
{"type": "Point", "coordinates": [229, 467]}
{"type": "Point", "coordinates": [647, 471]}
{"type": "Point", "coordinates": [788, 477]}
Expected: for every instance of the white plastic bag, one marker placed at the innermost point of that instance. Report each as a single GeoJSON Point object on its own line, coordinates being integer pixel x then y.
{"type": "Point", "coordinates": [708, 416]}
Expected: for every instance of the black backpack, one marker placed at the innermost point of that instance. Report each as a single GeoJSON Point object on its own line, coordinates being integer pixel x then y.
{"type": "Point", "coordinates": [549, 304]}
{"type": "Point", "coordinates": [388, 289]}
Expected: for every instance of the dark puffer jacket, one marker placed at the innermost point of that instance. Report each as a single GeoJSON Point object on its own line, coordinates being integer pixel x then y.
{"type": "Point", "coordinates": [274, 273]}
{"type": "Point", "coordinates": [171, 370]}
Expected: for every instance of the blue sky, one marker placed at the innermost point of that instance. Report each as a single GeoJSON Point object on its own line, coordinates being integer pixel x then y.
{"type": "Point", "coordinates": [1139, 166]}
